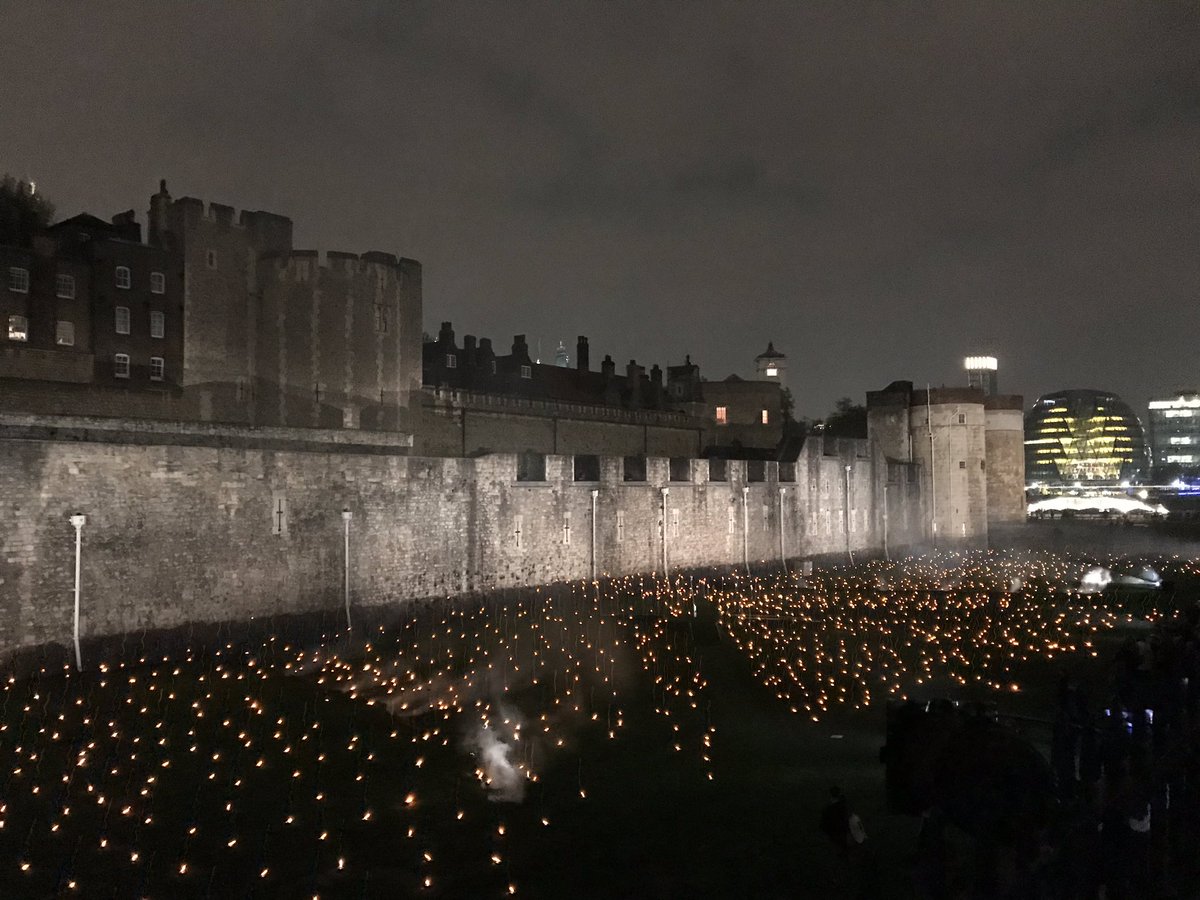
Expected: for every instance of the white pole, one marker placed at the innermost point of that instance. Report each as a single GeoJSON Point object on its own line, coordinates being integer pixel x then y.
{"type": "Point", "coordinates": [932, 465]}
{"type": "Point", "coordinates": [746, 528]}
{"type": "Point", "coordinates": [782, 544]}
{"type": "Point", "coordinates": [666, 570]}
{"type": "Point", "coordinates": [78, 521]}
{"type": "Point", "coordinates": [846, 517]}
{"type": "Point", "coordinates": [886, 484]}
{"type": "Point", "coordinates": [346, 516]}
{"type": "Point", "coordinates": [595, 494]}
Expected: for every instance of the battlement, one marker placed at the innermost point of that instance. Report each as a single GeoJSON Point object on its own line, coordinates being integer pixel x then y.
{"type": "Point", "coordinates": [303, 264]}
{"type": "Point", "coordinates": [267, 230]}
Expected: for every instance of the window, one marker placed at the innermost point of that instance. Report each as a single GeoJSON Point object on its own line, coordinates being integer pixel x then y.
{"type": "Point", "coordinates": [766, 417]}
{"type": "Point", "coordinates": [157, 367]}
{"type": "Point", "coordinates": [451, 361]}
{"type": "Point", "coordinates": [121, 365]}
{"type": "Point", "coordinates": [18, 279]}
{"type": "Point", "coordinates": [158, 283]}
{"type": "Point", "coordinates": [493, 367]}
{"type": "Point", "coordinates": [722, 415]}
{"type": "Point", "coordinates": [18, 328]}
{"type": "Point", "coordinates": [158, 324]}
{"type": "Point", "coordinates": [772, 371]}
{"type": "Point", "coordinates": [531, 466]}
{"type": "Point", "coordinates": [381, 318]}
{"type": "Point", "coordinates": [566, 529]}
{"type": "Point", "coordinates": [210, 259]}
{"type": "Point", "coordinates": [64, 287]}
{"type": "Point", "coordinates": [587, 467]}
{"type": "Point", "coordinates": [634, 468]}
{"type": "Point", "coordinates": [122, 319]}
{"type": "Point", "coordinates": [65, 334]}
{"type": "Point", "coordinates": [123, 279]}
{"type": "Point", "coordinates": [962, 419]}
{"type": "Point", "coordinates": [518, 529]}
{"type": "Point", "coordinates": [962, 463]}
{"type": "Point", "coordinates": [526, 371]}
{"type": "Point", "coordinates": [620, 526]}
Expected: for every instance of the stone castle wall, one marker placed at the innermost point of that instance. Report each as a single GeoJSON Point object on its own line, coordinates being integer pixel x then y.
{"type": "Point", "coordinates": [199, 534]}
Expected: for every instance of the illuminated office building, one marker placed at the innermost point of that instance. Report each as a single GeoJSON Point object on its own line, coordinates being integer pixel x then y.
{"type": "Point", "coordinates": [1175, 435]}
{"type": "Point", "coordinates": [1083, 437]}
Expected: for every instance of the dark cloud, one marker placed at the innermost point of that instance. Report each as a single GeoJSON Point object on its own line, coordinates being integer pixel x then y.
{"type": "Point", "coordinates": [877, 188]}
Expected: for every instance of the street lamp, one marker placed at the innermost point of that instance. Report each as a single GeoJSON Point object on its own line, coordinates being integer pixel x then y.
{"type": "Point", "coordinates": [346, 516]}
{"type": "Point", "coordinates": [78, 520]}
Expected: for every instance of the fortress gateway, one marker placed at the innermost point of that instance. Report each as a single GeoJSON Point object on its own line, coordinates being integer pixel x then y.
{"type": "Point", "coordinates": [230, 408]}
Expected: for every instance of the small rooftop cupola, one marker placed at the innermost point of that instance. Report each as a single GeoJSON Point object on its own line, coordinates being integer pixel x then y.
{"type": "Point", "coordinates": [562, 358]}
{"type": "Point", "coordinates": [771, 365]}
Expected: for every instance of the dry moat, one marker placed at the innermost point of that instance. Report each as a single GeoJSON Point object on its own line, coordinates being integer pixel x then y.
{"type": "Point", "coordinates": [629, 739]}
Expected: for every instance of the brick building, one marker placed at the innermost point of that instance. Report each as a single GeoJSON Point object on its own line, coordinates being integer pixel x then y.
{"type": "Point", "coordinates": [216, 318]}
{"type": "Point", "coordinates": [90, 307]}
{"type": "Point", "coordinates": [478, 401]}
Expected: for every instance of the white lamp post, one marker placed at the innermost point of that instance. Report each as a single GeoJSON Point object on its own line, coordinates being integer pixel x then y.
{"type": "Point", "coordinates": [78, 520]}
{"type": "Point", "coordinates": [666, 570]}
{"type": "Point", "coordinates": [782, 542]}
{"type": "Point", "coordinates": [595, 494]}
{"type": "Point", "coordinates": [746, 529]}
{"type": "Point", "coordinates": [346, 516]}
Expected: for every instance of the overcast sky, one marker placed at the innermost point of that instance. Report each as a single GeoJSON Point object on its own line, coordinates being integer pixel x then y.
{"type": "Point", "coordinates": [878, 188]}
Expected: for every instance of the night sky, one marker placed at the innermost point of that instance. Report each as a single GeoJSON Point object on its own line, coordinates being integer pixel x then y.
{"type": "Point", "coordinates": [878, 188]}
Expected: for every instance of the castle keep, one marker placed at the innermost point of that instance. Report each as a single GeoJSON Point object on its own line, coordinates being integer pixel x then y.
{"type": "Point", "coordinates": [289, 406]}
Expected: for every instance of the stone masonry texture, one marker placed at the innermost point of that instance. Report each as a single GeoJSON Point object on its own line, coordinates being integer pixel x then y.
{"type": "Point", "coordinates": [193, 534]}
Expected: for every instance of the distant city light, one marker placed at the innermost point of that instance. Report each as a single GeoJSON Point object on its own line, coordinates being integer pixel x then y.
{"type": "Point", "coordinates": [981, 362]}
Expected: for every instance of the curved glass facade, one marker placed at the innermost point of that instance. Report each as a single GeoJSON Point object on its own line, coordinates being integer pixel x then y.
{"type": "Point", "coordinates": [1083, 436]}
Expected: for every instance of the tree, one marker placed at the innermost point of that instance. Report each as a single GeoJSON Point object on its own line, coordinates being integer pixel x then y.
{"type": "Point", "coordinates": [23, 212]}
{"type": "Point", "coordinates": [848, 420]}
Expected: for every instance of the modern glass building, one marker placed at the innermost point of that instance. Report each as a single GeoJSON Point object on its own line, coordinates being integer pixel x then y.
{"type": "Point", "coordinates": [1085, 437]}
{"type": "Point", "coordinates": [1175, 436]}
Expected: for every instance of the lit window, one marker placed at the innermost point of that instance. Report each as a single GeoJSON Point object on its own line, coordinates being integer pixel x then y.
{"type": "Point", "coordinates": [18, 279]}
{"type": "Point", "coordinates": [526, 371]}
{"type": "Point", "coordinates": [766, 417]}
{"type": "Point", "coordinates": [210, 259]}
{"type": "Point", "coordinates": [772, 371]}
{"type": "Point", "coordinates": [123, 279]}
{"type": "Point", "coordinates": [64, 287]}
{"type": "Point", "coordinates": [157, 367]}
{"type": "Point", "coordinates": [121, 319]}
{"type": "Point", "coordinates": [65, 335]}
{"type": "Point", "coordinates": [158, 324]}
{"type": "Point", "coordinates": [18, 328]}
{"type": "Point", "coordinates": [121, 365]}
{"type": "Point", "coordinates": [451, 361]}
{"type": "Point", "coordinates": [158, 283]}
{"type": "Point", "coordinates": [722, 415]}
